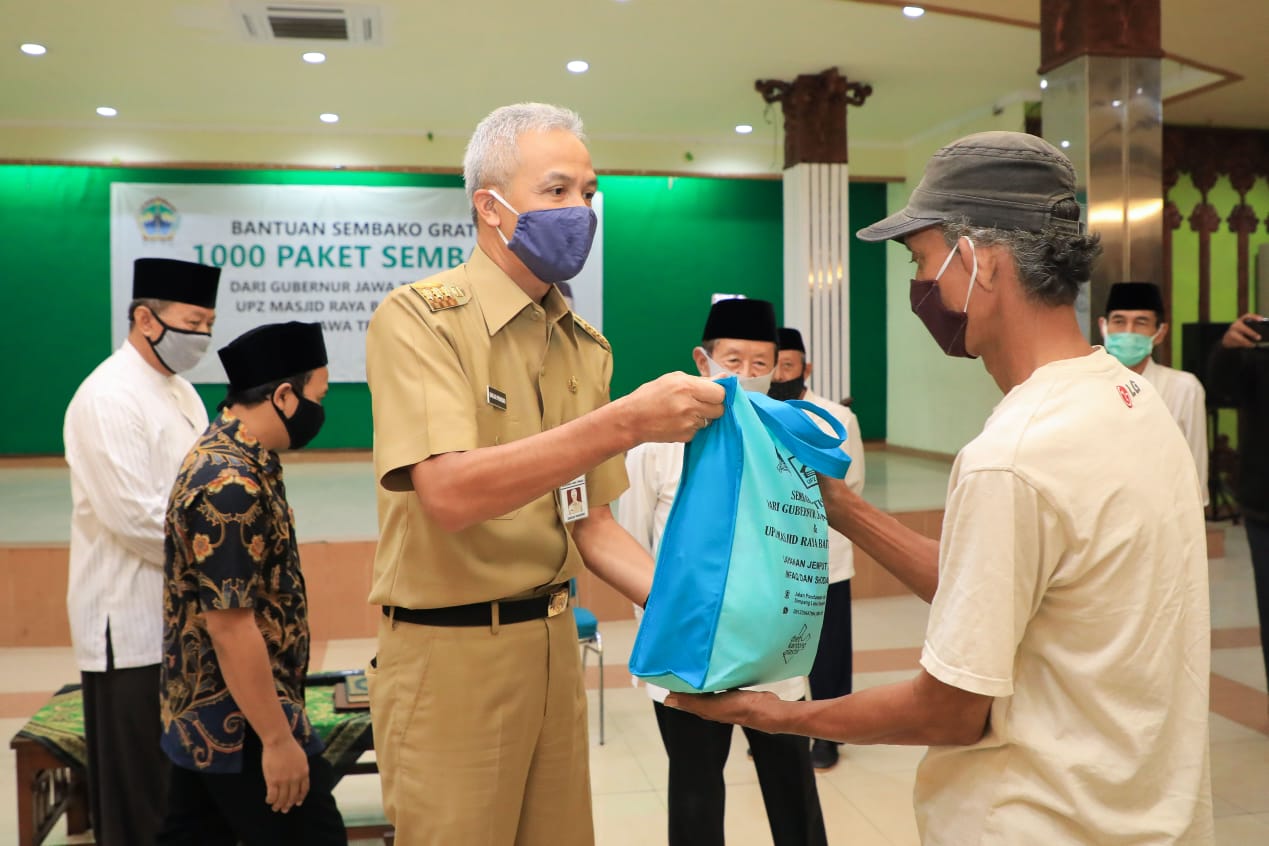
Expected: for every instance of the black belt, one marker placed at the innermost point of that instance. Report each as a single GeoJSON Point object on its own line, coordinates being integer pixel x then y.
{"type": "Point", "coordinates": [481, 613]}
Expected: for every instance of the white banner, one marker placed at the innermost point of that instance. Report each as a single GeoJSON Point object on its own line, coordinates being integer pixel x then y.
{"type": "Point", "coordinates": [316, 253]}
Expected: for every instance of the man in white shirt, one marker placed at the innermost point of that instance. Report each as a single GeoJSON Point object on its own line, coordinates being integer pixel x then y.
{"type": "Point", "coordinates": [1133, 328]}
{"type": "Point", "coordinates": [127, 430]}
{"type": "Point", "coordinates": [1064, 683]}
{"type": "Point", "coordinates": [739, 338]}
{"type": "Point", "coordinates": [831, 674]}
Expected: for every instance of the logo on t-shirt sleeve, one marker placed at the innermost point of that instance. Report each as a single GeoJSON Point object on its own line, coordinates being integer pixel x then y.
{"type": "Point", "coordinates": [1127, 392]}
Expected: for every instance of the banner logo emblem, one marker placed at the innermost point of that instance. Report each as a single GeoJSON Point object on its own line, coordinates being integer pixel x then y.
{"type": "Point", "coordinates": [158, 219]}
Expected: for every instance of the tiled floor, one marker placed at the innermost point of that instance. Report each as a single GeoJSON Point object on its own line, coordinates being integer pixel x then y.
{"type": "Point", "coordinates": [866, 799]}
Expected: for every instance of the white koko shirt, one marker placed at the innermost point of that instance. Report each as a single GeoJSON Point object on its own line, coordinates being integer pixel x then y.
{"type": "Point", "coordinates": [127, 430]}
{"type": "Point", "coordinates": [1183, 394]}
{"type": "Point", "coordinates": [841, 552]}
{"type": "Point", "coordinates": [1073, 590]}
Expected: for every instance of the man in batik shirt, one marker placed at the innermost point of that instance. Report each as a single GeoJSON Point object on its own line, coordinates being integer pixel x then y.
{"type": "Point", "coordinates": [247, 761]}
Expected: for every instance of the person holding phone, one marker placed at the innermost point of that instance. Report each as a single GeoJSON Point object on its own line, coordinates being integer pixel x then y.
{"type": "Point", "coordinates": [1239, 371]}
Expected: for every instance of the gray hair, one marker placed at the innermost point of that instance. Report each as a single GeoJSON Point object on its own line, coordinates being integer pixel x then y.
{"type": "Point", "coordinates": [155, 307]}
{"type": "Point", "coordinates": [492, 154]}
{"type": "Point", "coordinates": [1051, 265]}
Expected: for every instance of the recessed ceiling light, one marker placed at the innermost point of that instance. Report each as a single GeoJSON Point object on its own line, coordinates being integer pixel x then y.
{"type": "Point", "coordinates": [1114, 104]}
{"type": "Point", "coordinates": [744, 128]}
{"type": "Point", "coordinates": [1064, 143]}
{"type": "Point", "coordinates": [329, 117]}
{"type": "Point", "coordinates": [107, 111]}
{"type": "Point", "coordinates": [913, 11]}
{"type": "Point", "coordinates": [1044, 83]}
{"type": "Point", "coordinates": [33, 49]}
{"type": "Point", "coordinates": [578, 66]}
{"type": "Point", "coordinates": [314, 57]}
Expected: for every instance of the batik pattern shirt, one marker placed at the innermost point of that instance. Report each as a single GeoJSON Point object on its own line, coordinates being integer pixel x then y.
{"type": "Point", "coordinates": [230, 543]}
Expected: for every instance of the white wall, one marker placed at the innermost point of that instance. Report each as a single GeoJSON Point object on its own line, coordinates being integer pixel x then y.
{"type": "Point", "coordinates": [935, 403]}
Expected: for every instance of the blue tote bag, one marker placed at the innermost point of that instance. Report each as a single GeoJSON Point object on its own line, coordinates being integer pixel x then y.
{"type": "Point", "coordinates": [742, 570]}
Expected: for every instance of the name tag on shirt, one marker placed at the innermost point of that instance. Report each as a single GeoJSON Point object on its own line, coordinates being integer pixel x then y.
{"type": "Point", "coordinates": [573, 506]}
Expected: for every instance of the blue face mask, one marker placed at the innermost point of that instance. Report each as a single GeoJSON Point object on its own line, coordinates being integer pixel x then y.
{"type": "Point", "coordinates": [1129, 347]}
{"type": "Point", "coordinates": [552, 243]}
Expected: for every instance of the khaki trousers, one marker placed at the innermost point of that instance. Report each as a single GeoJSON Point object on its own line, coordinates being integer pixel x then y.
{"type": "Point", "coordinates": [481, 734]}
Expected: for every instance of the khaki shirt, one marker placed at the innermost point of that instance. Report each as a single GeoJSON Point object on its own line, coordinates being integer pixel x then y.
{"type": "Point", "coordinates": [433, 352]}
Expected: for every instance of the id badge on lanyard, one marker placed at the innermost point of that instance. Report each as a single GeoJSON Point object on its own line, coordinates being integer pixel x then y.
{"type": "Point", "coordinates": [572, 499]}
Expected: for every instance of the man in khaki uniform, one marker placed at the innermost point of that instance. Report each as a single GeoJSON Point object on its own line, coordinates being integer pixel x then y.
{"type": "Point", "coordinates": [491, 419]}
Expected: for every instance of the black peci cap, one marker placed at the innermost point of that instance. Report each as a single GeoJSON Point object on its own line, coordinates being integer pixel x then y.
{"type": "Point", "coordinates": [174, 280]}
{"type": "Point", "coordinates": [1134, 296]}
{"type": "Point", "coordinates": [743, 319]}
{"type": "Point", "coordinates": [791, 339]}
{"type": "Point", "coordinates": [272, 352]}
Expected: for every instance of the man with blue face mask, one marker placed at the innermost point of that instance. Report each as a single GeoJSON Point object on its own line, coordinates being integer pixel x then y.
{"type": "Point", "coordinates": [1063, 687]}
{"type": "Point", "coordinates": [497, 455]}
{"type": "Point", "coordinates": [739, 338]}
{"type": "Point", "coordinates": [127, 429]}
{"type": "Point", "coordinates": [1132, 328]}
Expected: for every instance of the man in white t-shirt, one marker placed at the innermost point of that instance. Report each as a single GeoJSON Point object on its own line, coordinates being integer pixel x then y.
{"type": "Point", "coordinates": [1064, 682]}
{"type": "Point", "coordinates": [831, 676]}
{"type": "Point", "coordinates": [1133, 328]}
{"type": "Point", "coordinates": [739, 338]}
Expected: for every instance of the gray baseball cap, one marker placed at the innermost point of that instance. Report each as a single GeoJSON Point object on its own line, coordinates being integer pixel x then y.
{"type": "Point", "coordinates": [1004, 180]}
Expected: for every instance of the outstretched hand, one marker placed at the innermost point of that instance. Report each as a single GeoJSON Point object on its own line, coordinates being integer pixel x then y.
{"type": "Point", "coordinates": [738, 707]}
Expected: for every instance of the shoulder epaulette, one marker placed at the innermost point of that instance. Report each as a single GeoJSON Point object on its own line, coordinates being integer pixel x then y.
{"type": "Point", "coordinates": [593, 332]}
{"type": "Point", "coordinates": [440, 296]}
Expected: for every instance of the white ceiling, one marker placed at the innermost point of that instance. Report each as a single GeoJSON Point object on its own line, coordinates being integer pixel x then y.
{"type": "Point", "coordinates": [660, 69]}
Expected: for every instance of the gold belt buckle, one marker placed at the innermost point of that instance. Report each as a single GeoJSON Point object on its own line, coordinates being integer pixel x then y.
{"type": "Point", "coordinates": [559, 602]}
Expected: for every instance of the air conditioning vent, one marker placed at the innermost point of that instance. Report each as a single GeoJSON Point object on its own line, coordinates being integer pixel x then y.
{"type": "Point", "coordinates": [333, 28]}
{"type": "Point", "coordinates": [349, 24]}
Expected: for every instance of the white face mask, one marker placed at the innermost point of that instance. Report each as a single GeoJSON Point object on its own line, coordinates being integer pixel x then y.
{"type": "Point", "coordinates": [760, 384]}
{"type": "Point", "coordinates": [180, 349]}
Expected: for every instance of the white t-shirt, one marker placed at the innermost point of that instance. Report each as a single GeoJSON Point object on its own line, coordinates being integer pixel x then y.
{"type": "Point", "coordinates": [1073, 589]}
{"type": "Point", "coordinates": [654, 471]}
{"type": "Point", "coordinates": [1183, 394]}
{"type": "Point", "coordinates": [841, 552]}
{"type": "Point", "coordinates": [127, 430]}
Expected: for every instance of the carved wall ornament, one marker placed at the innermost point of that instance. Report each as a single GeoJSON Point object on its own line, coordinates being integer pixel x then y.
{"type": "Point", "coordinates": [814, 107]}
{"type": "Point", "coordinates": [1119, 28]}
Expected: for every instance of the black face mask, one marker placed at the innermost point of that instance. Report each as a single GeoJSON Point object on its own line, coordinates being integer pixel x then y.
{"type": "Point", "coordinates": [305, 423]}
{"type": "Point", "coordinates": [789, 390]}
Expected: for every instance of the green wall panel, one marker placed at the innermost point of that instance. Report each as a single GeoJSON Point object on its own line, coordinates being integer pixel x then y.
{"type": "Point", "coordinates": [868, 313]}
{"type": "Point", "coordinates": [679, 241]}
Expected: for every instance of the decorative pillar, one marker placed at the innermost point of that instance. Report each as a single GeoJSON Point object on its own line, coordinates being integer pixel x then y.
{"type": "Point", "coordinates": [1205, 220]}
{"type": "Point", "coordinates": [1244, 163]}
{"type": "Point", "coordinates": [1172, 221]}
{"type": "Point", "coordinates": [816, 218]}
{"type": "Point", "coordinates": [1103, 107]}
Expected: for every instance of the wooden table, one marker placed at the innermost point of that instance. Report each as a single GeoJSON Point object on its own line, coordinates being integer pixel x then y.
{"type": "Point", "coordinates": [47, 788]}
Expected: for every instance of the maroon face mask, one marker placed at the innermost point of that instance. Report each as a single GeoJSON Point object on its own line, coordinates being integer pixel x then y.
{"type": "Point", "coordinates": [947, 327]}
